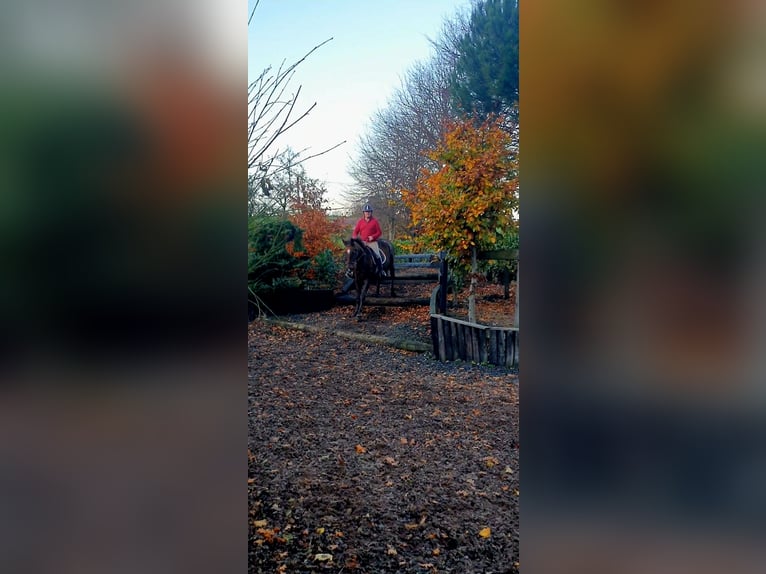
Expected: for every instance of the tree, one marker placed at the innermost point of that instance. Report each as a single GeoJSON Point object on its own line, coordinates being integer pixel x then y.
{"type": "Point", "coordinates": [268, 257]}
{"type": "Point", "coordinates": [287, 185]}
{"type": "Point", "coordinates": [321, 243]}
{"type": "Point", "coordinates": [474, 69]}
{"type": "Point", "coordinates": [486, 74]}
{"type": "Point", "coordinates": [467, 203]}
{"type": "Point", "coordinates": [391, 152]}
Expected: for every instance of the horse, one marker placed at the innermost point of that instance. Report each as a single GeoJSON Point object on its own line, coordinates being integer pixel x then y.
{"type": "Point", "coordinates": [361, 267]}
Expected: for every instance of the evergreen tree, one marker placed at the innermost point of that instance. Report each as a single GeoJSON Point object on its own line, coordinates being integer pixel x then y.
{"type": "Point", "coordinates": [486, 76]}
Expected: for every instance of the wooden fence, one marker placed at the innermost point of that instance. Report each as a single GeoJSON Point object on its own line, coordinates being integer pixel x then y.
{"type": "Point", "coordinates": [417, 260]}
{"type": "Point", "coordinates": [455, 339]}
{"type": "Point", "coordinates": [418, 267]}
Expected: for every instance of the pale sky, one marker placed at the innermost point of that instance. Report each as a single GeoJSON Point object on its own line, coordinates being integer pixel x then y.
{"type": "Point", "coordinates": [374, 43]}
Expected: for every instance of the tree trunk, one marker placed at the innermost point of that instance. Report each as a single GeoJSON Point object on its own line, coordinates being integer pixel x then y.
{"type": "Point", "coordinates": [472, 287]}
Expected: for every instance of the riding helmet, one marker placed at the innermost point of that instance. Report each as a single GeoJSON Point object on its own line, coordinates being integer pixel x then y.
{"type": "Point", "coordinates": [367, 207]}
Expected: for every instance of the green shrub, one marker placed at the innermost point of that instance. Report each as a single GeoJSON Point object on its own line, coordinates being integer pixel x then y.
{"type": "Point", "coordinates": [325, 268]}
{"type": "Point", "coordinates": [268, 260]}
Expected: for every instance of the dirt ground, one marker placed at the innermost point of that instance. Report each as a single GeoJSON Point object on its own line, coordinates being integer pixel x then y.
{"type": "Point", "coordinates": [412, 322]}
{"type": "Point", "coordinates": [363, 458]}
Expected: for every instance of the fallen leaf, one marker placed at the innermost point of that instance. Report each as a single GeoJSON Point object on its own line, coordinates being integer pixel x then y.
{"type": "Point", "coordinates": [485, 532]}
{"type": "Point", "coordinates": [403, 440]}
{"type": "Point", "coordinates": [269, 534]}
{"type": "Point", "coordinates": [436, 552]}
{"type": "Point", "coordinates": [250, 480]}
{"type": "Point", "coordinates": [391, 551]}
{"type": "Point", "coordinates": [260, 523]}
{"type": "Point", "coordinates": [323, 557]}
{"type": "Point", "coordinates": [360, 449]}
{"type": "Point", "coordinates": [320, 530]}
{"type": "Point", "coordinates": [491, 461]}
{"type": "Point", "coordinates": [390, 461]}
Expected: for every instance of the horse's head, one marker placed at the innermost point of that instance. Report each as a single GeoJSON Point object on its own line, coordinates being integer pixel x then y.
{"type": "Point", "coordinates": [354, 251]}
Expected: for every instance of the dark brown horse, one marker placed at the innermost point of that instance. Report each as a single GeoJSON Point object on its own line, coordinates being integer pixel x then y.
{"type": "Point", "coordinates": [362, 268]}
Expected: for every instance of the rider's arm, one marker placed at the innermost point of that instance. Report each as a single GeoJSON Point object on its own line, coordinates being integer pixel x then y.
{"type": "Point", "coordinates": [375, 231]}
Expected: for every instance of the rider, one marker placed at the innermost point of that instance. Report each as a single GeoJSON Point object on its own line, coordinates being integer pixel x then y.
{"type": "Point", "coordinates": [368, 230]}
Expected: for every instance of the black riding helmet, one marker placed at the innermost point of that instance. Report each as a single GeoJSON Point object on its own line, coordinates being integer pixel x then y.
{"type": "Point", "coordinates": [367, 207]}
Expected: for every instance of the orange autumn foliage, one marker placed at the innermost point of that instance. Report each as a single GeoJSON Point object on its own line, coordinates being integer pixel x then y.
{"type": "Point", "coordinates": [470, 200]}
{"type": "Point", "coordinates": [319, 230]}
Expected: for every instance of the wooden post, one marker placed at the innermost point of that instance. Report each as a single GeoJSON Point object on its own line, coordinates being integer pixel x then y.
{"type": "Point", "coordinates": [442, 302]}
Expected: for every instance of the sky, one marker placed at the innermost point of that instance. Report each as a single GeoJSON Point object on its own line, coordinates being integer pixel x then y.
{"type": "Point", "coordinates": [374, 43]}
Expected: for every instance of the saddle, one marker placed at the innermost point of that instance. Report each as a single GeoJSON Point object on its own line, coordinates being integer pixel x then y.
{"type": "Point", "coordinates": [381, 259]}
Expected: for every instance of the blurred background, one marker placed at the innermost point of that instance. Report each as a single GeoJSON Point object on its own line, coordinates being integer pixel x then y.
{"type": "Point", "coordinates": [643, 137]}
{"type": "Point", "coordinates": [122, 301]}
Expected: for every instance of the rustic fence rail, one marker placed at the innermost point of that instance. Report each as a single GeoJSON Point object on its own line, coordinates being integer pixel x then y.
{"type": "Point", "coordinates": [455, 339]}
{"type": "Point", "coordinates": [418, 268]}
{"type": "Point", "coordinates": [417, 260]}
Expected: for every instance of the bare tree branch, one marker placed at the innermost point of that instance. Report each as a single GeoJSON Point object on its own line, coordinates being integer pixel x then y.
{"type": "Point", "coordinates": [252, 12]}
{"type": "Point", "coordinates": [272, 111]}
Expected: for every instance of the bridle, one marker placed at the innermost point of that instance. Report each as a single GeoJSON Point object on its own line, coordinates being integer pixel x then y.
{"type": "Point", "coordinates": [353, 257]}
{"type": "Point", "coordinates": [355, 253]}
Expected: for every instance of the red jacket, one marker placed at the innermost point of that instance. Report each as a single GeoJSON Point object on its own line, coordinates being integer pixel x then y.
{"type": "Point", "coordinates": [366, 229]}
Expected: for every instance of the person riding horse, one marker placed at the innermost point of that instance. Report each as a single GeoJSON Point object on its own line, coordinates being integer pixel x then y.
{"type": "Point", "coordinates": [368, 230]}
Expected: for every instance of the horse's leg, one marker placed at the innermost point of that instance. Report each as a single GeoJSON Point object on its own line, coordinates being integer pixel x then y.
{"type": "Point", "coordinates": [360, 298]}
{"type": "Point", "coordinates": [361, 291]}
{"type": "Point", "coordinates": [357, 303]}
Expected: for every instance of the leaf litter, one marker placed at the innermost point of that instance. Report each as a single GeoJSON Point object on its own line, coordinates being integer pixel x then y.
{"type": "Point", "coordinates": [406, 457]}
